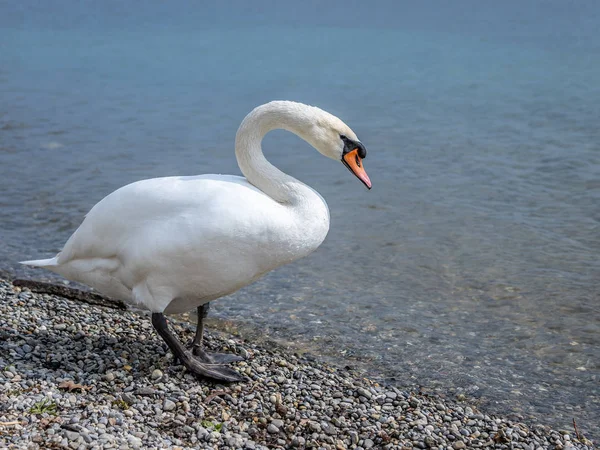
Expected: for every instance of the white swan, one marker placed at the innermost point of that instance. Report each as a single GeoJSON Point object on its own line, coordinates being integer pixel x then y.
{"type": "Point", "coordinates": [173, 244]}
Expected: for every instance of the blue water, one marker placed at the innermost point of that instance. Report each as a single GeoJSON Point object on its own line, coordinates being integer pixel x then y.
{"type": "Point", "coordinates": [471, 267]}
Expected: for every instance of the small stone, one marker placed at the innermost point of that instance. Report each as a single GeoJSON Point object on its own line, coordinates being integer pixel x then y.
{"type": "Point", "coordinates": [156, 374]}
{"type": "Point", "coordinates": [135, 442]}
{"type": "Point", "coordinates": [429, 441]}
{"type": "Point", "coordinates": [458, 445]}
{"type": "Point", "coordinates": [60, 326]}
{"type": "Point", "coordinates": [168, 405]}
{"type": "Point", "coordinates": [298, 441]}
{"type": "Point", "coordinates": [315, 426]}
{"type": "Point", "coordinates": [72, 435]}
{"type": "Point", "coordinates": [235, 442]}
{"type": "Point", "coordinates": [128, 398]}
{"type": "Point", "coordinates": [109, 376]}
{"type": "Point", "coordinates": [368, 443]}
{"type": "Point", "coordinates": [272, 429]}
{"type": "Point", "coordinates": [364, 392]}
{"type": "Point", "coordinates": [145, 390]}
{"type": "Point", "coordinates": [277, 422]}
{"type": "Point", "coordinates": [391, 395]}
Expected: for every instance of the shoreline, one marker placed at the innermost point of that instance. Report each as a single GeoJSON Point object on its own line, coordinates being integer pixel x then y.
{"type": "Point", "coordinates": [462, 359]}
{"type": "Point", "coordinates": [75, 375]}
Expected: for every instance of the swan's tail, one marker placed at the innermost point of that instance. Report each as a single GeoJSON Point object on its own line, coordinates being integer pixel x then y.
{"type": "Point", "coordinates": [47, 263]}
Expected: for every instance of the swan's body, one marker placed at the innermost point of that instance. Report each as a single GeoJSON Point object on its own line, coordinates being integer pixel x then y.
{"type": "Point", "coordinates": [173, 244]}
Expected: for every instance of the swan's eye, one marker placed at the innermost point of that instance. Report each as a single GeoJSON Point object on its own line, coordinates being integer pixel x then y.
{"type": "Point", "coordinates": [357, 159]}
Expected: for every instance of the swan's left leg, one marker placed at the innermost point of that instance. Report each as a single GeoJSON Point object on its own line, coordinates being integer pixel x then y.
{"type": "Point", "coordinates": [202, 312]}
{"type": "Point", "coordinates": [197, 343]}
{"type": "Point", "coordinates": [187, 357]}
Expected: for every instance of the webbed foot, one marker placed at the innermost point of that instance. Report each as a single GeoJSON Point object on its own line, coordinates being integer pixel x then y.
{"type": "Point", "coordinates": [214, 371]}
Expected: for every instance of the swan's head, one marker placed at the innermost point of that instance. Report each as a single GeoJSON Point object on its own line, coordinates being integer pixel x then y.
{"type": "Point", "coordinates": [334, 139]}
{"type": "Point", "coordinates": [324, 131]}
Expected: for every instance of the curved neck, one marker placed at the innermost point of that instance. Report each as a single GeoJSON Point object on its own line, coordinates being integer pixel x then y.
{"type": "Point", "coordinates": [261, 173]}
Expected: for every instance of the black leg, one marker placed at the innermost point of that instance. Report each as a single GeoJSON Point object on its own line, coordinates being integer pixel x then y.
{"type": "Point", "coordinates": [202, 313]}
{"type": "Point", "coordinates": [193, 364]}
{"type": "Point", "coordinates": [197, 347]}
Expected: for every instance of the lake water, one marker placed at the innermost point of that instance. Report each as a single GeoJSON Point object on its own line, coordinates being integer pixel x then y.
{"type": "Point", "coordinates": [471, 267]}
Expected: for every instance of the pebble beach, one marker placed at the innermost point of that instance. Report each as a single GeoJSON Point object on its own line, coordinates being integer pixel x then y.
{"type": "Point", "coordinates": [79, 376]}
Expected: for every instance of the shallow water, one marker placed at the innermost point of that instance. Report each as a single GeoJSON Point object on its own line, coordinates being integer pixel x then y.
{"type": "Point", "coordinates": [472, 266]}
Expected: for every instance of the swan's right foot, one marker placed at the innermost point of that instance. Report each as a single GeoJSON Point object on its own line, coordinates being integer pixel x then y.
{"type": "Point", "coordinates": [193, 363]}
{"type": "Point", "coordinates": [213, 371]}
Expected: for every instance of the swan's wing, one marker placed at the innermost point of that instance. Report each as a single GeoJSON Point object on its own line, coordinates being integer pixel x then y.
{"type": "Point", "coordinates": [122, 215]}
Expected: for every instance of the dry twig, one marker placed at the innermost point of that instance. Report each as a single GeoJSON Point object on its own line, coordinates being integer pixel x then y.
{"type": "Point", "coordinates": [576, 430]}
{"type": "Point", "coordinates": [91, 298]}
{"type": "Point", "coordinates": [6, 424]}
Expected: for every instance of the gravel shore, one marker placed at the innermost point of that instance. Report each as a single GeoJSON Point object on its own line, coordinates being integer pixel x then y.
{"type": "Point", "coordinates": [78, 376]}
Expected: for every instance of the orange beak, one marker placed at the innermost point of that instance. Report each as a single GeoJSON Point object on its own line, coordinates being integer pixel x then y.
{"type": "Point", "coordinates": [354, 163]}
